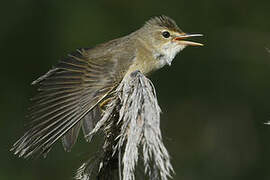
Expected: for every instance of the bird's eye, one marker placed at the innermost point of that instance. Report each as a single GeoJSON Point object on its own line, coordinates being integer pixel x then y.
{"type": "Point", "coordinates": [166, 34]}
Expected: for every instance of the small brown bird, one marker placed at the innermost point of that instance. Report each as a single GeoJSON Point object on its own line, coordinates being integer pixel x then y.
{"type": "Point", "coordinates": [71, 94]}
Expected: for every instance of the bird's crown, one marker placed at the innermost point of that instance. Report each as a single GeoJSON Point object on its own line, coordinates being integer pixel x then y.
{"type": "Point", "coordinates": [164, 22]}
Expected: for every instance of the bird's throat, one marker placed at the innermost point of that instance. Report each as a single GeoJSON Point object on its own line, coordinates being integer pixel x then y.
{"type": "Point", "coordinates": [166, 55]}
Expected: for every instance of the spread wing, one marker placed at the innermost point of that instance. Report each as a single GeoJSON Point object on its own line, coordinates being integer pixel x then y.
{"type": "Point", "coordinates": [67, 95]}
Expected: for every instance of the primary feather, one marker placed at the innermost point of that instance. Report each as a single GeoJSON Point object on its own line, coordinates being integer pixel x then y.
{"type": "Point", "coordinates": [68, 98]}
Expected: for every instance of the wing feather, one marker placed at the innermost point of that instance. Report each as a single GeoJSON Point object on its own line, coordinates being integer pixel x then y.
{"type": "Point", "coordinates": [67, 94]}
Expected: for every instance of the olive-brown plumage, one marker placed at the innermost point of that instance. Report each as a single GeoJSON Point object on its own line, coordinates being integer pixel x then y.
{"type": "Point", "coordinates": [70, 94]}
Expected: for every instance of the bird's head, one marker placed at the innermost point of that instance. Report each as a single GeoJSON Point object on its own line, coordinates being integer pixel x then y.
{"type": "Point", "coordinates": [166, 38]}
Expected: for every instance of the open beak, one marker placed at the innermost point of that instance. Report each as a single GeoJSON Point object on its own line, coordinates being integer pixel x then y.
{"type": "Point", "coordinates": [181, 39]}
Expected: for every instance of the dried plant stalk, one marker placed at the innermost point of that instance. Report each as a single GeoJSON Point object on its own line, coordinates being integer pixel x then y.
{"type": "Point", "coordinates": [131, 123]}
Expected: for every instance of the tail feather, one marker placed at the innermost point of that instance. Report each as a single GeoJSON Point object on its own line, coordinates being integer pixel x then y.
{"type": "Point", "coordinates": [70, 138]}
{"type": "Point", "coordinates": [90, 121]}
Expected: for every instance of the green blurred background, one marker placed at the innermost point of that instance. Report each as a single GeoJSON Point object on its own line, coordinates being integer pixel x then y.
{"type": "Point", "coordinates": [215, 99]}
